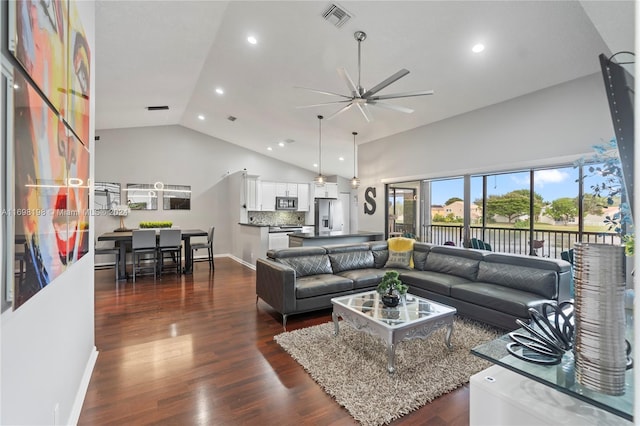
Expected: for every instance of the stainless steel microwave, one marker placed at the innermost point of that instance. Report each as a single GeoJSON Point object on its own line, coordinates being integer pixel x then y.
{"type": "Point", "coordinates": [286, 203]}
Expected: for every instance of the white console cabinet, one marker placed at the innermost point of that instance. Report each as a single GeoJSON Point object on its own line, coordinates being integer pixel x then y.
{"type": "Point", "coordinates": [500, 397]}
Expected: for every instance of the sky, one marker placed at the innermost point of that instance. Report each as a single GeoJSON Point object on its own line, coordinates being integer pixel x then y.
{"type": "Point", "coordinates": [551, 184]}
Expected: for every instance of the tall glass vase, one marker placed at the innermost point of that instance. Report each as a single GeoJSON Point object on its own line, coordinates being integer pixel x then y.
{"type": "Point", "coordinates": [600, 347]}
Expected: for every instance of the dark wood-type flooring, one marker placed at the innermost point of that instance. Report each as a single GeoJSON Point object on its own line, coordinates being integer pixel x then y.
{"type": "Point", "coordinates": [195, 350]}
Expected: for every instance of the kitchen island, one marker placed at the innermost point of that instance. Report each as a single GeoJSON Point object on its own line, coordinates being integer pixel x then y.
{"type": "Point", "coordinates": [300, 239]}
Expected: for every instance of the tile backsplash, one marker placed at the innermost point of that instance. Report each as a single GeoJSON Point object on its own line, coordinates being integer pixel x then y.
{"type": "Point", "coordinates": [276, 218]}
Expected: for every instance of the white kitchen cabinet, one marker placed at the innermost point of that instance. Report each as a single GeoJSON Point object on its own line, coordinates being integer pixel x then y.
{"type": "Point", "coordinates": [268, 196]}
{"type": "Point", "coordinates": [252, 193]}
{"type": "Point", "coordinates": [286, 189]}
{"type": "Point", "coordinates": [303, 197]}
{"type": "Point", "coordinates": [328, 190]}
{"type": "Point", "coordinates": [501, 397]}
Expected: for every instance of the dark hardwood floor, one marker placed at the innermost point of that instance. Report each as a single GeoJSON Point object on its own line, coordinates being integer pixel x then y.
{"type": "Point", "coordinates": [195, 350]}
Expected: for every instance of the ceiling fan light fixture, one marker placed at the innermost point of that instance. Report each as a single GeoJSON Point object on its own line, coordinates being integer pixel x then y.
{"type": "Point", "coordinates": [364, 98]}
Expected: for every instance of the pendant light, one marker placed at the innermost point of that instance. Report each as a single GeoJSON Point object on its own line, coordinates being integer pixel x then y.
{"type": "Point", "coordinates": [355, 182]}
{"type": "Point", "coordinates": [319, 180]}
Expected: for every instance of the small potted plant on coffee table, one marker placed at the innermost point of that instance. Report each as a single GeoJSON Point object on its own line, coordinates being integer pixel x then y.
{"type": "Point", "coordinates": [391, 288]}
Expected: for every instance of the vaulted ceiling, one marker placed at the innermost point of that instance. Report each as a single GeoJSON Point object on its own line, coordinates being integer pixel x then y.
{"type": "Point", "coordinates": [176, 53]}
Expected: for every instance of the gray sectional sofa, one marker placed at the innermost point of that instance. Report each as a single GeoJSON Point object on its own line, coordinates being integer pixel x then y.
{"type": "Point", "coordinates": [494, 288]}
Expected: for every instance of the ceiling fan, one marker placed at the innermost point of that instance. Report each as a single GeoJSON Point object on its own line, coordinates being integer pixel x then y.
{"type": "Point", "coordinates": [362, 98]}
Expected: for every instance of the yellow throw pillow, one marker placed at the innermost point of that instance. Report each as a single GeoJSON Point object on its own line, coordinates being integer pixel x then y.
{"type": "Point", "coordinates": [402, 244]}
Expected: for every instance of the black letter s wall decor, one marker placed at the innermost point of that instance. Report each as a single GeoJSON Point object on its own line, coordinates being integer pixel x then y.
{"type": "Point", "coordinates": [369, 195]}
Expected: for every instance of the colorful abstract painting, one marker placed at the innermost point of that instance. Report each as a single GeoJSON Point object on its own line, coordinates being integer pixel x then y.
{"type": "Point", "coordinates": [41, 192]}
{"type": "Point", "coordinates": [40, 45]}
{"type": "Point", "coordinates": [79, 56]}
{"type": "Point", "coordinates": [78, 199]}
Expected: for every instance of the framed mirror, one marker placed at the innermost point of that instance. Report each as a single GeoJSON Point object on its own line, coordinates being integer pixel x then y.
{"type": "Point", "coordinates": [106, 195]}
{"type": "Point", "coordinates": [142, 196]}
{"type": "Point", "coordinates": [176, 197]}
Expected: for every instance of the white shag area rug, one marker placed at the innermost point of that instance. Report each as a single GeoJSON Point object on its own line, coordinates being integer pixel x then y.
{"type": "Point", "coordinates": [352, 367]}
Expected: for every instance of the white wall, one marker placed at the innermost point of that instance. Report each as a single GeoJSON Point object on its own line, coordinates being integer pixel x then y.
{"type": "Point", "coordinates": [47, 345]}
{"type": "Point", "coordinates": [176, 155]}
{"type": "Point", "coordinates": [552, 126]}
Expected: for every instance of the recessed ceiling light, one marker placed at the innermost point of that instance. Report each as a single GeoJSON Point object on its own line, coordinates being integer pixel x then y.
{"type": "Point", "coordinates": [219, 90]}
{"type": "Point", "coordinates": [15, 86]}
{"type": "Point", "coordinates": [269, 149]}
{"type": "Point", "coordinates": [252, 40]}
{"type": "Point", "coordinates": [280, 144]}
{"type": "Point", "coordinates": [341, 158]}
{"type": "Point", "coordinates": [201, 117]}
{"type": "Point", "coordinates": [478, 48]}
{"type": "Point", "coordinates": [315, 164]}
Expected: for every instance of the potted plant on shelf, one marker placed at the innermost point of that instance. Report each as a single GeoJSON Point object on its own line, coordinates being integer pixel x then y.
{"type": "Point", "coordinates": [391, 288]}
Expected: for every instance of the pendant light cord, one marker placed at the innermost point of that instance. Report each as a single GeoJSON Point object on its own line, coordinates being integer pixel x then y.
{"type": "Point", "coordinates": [354, 154]}
{"type": "Point", "coordinates": [320, 145]}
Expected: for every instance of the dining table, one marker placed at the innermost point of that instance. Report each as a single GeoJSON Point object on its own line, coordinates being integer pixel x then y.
{"type": "Point", "coordinates": [122, 239]}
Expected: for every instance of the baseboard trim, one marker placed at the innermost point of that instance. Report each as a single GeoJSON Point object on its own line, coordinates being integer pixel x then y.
{"type": "Point", "coordinates": [76, 409]}
{"type": "Point", "coordinates": [242, 262]}
{"type": "Point", "coordinates": [230, 256]}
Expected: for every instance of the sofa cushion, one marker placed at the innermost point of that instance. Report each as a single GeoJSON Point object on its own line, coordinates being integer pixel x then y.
{"type": "Point", "coordinates": [321, 284]}
{"type": "Point", "coordinates": [380, 258]}
{"type": "Point", "coordinates": [500, 298]}
{"type": "Point", "coordinates": [532, 280]}
{"type": "Point", "coordinates": [308, 265]}
{"type": "Point", "coordinates": [435, 282]}
{"type": "Point", "coordinates": [351, 260]}
{"type": "Point", "coordinates": [364, 278]}
{"type": "Point", "coordinates": [550, 264]}
{"type": "Point", "coordinates": [420, 252]}
{"type": "Point", "coordinates": [454, 265]}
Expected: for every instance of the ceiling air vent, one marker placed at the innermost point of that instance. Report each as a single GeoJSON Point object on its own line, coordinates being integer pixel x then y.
{"type": "Point", "coordinates": [335, 14]}
{"type": "Point", "coordinates": [157, 108]}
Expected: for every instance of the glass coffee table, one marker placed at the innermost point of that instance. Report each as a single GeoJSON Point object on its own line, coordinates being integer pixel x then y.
{"type": "Point", "coordinates": [413, 318]}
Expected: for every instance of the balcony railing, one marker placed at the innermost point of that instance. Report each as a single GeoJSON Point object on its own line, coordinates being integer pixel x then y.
{"type": "Point", "coordinates": [511, 240]}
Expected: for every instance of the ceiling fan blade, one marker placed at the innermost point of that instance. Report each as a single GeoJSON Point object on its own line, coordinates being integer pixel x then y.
{"type": "Point", "coordinates": [323, 104]}
{"type": "Point", "coordinates": [401, 95]}
{"type": "Point", "coordinates": [375, 89]}
{"type": "Point", "coordinates": [342, 72]}
{"type": "Point", "coordinates": [324, 92]}
{"type": "Point", "coordinates": [341, 110]}
{"type": "Point", "coordinates": [364, 109]}
{"type": "Point", "coordinates": [390, 106]}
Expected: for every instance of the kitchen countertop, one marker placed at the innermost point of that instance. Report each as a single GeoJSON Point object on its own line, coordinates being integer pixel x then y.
{"type": "Point", "coordinates": [335, 234]}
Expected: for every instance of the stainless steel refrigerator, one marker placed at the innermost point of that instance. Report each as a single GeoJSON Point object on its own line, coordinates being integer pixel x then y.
{"type": "Point", "coordinates": [328, 215]}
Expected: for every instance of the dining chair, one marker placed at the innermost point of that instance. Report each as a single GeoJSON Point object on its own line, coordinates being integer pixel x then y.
{"type": "Point", "coordinates": [170, 244]}
{"type": "Point", "coordinates": [208, 245]}
{"type": "Point", "coordinates": [108, 251]}
{"type": "Point", "coordinates": [143, 242]}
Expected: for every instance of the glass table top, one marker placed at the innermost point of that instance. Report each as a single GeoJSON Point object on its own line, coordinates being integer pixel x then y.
{"type": "Point", "coordinates": [410, 309]}
{"type": "Point", "coordinates": [562, 376]}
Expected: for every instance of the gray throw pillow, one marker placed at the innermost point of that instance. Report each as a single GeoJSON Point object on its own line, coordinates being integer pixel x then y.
{"type": "Point", "coordinates": [399, 259]}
